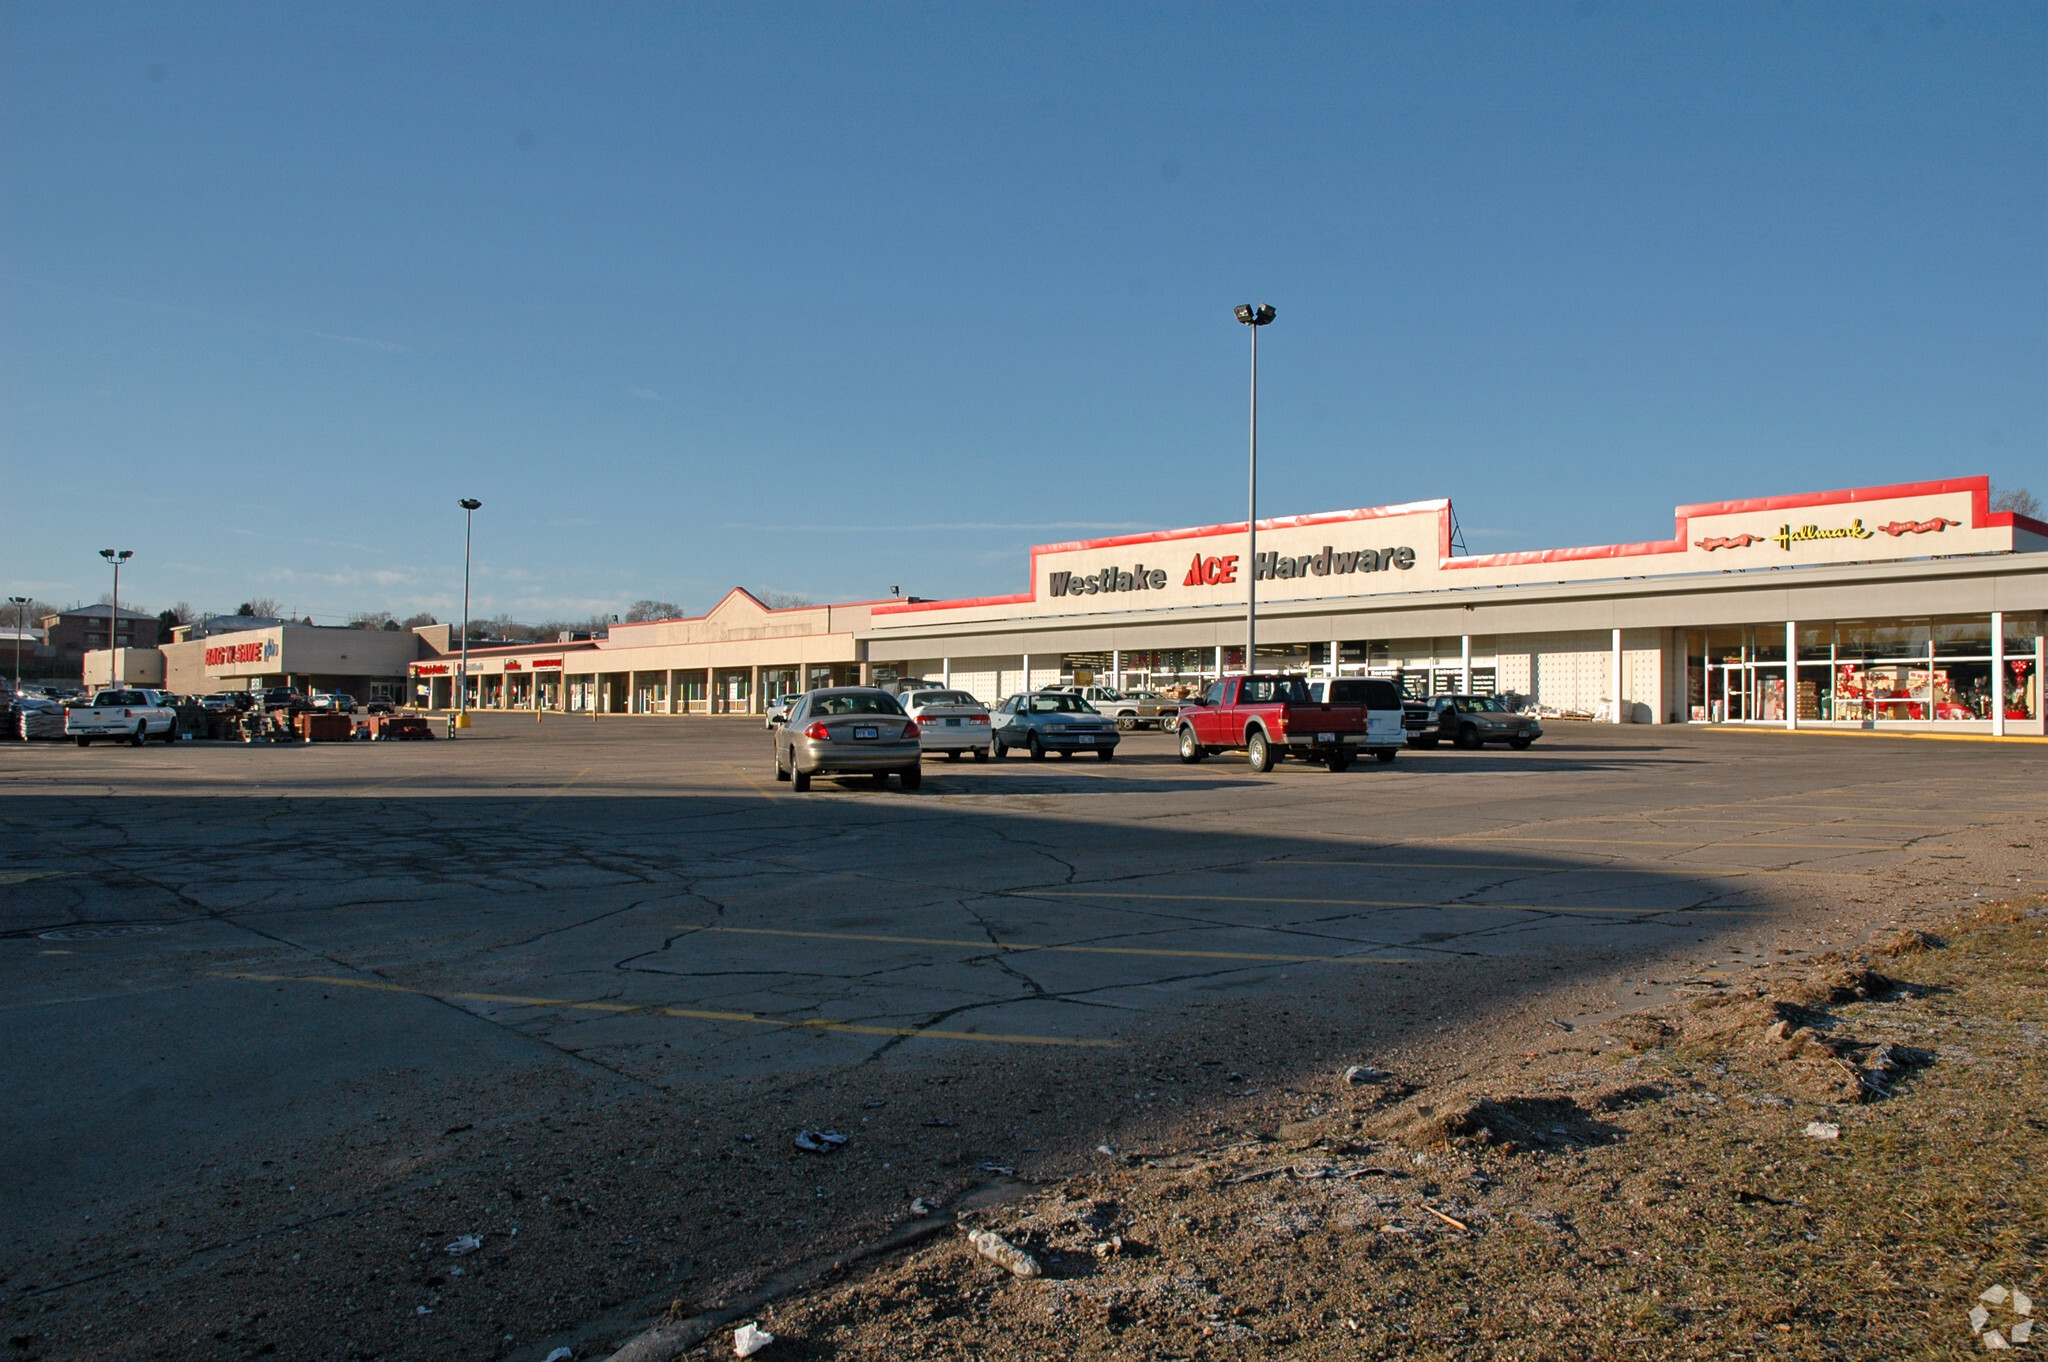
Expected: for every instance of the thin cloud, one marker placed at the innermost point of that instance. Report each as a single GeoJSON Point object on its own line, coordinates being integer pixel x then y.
{"type": "Point", "coordinates": [367, 342]}
{"type": "Point", "coordinates": [647, 394]}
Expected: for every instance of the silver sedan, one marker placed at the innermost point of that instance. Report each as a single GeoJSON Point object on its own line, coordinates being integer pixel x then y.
{"type": "Point", "coordinates": [848, 730]}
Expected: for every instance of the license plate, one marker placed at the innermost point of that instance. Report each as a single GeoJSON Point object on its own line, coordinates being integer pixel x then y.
{"type": "Point", "coordinates": [1084, 737]}
{"type": "Point", "coordinates": [864, 732]}
{"type": "Point", "coordinates": [952, 723]}
{"type": "Point", "coordinates": [1326, 737]}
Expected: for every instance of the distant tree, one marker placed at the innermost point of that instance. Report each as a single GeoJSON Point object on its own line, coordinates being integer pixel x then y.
{"type": "Point", "coordinates": [419, 621]}
{"type": "Point", "coordinates": [781, 600]}
{"type": "Point", "coordinates": [640, 612]}
{"type": "Point", "coordinates": [390, 624]}
{"type": "Point", "coordinates": [262, 608]}
{"type": "Point", "coordinates": [168, 619]}
{"type": "Point", "coordinates": [370, 619]}
{"type": "Point", "coordinates": [2018, 500]}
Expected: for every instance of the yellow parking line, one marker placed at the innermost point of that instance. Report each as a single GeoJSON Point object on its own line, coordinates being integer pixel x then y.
{"type": "Point", "coordinates": [1702, 844]}
{"type": "Point", "coordinates": [1362, 903]}
{"type": "Point", "coordinates": [24, 876]}
{"type": "Point", "coordinates": [1684, 872]}
{"type": "Point", "coordinates": [1021, 946]}
{"type": "Point", "coordinates": [534, 807]}
{"type": "Point", "coordinates": [688, 1013]}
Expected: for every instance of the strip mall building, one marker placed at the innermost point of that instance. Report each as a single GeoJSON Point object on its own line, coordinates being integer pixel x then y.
{"type": "Point", "coordinates": [1912, 606]}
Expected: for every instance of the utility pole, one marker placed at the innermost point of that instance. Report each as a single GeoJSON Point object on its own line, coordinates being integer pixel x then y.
{"type": "Point", "coordinates": [469, 507]}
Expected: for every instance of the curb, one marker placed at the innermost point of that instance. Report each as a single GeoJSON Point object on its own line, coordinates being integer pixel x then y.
{"type": "Point", "coordinates": [2020, 738]}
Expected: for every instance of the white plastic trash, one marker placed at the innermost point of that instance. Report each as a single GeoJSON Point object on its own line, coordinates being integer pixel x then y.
{"type": "Point", "coordinates": [749, 1339]}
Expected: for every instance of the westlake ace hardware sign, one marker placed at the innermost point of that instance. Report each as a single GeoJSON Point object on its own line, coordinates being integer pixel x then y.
{"type": "Point", "coordinates": [1406, 549]}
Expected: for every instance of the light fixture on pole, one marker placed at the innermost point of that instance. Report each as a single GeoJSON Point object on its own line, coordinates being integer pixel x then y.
{"type": "Point", "coordinates": [116, 557]}
{"type": "Point", "coordinates": [20, 604]}
{"type": "Point", "coordinates": [1254, 317]}
{"type": "Point", "coordinates": [469, 507]}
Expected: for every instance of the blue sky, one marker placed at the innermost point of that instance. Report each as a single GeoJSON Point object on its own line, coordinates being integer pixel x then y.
{"type": "Point", "coordinates": [825, 300]}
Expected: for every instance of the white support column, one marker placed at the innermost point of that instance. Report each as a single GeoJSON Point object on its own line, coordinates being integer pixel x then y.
{"type": "Point", "coordinates": [1791, 674]}
{"type": "Point", "coordinates": [1465, 665]}
{"type": "Point", "coordinates": [1998, 673]}
{"type": "Point", "coordinates": [1336, 657]}
{"type": "Point", "coordinates": [754, 689]}
{"type": "Point", "coordinates": [1614, 679]}
{"type": "Point", "coordinates": [1219, 662]}
{"type": "Point", "coordinates": [946, 672]}
{"type": "Point", "coordinates": [1116, 668]}
{"type": "Point", "coordinates": [1021, 689]}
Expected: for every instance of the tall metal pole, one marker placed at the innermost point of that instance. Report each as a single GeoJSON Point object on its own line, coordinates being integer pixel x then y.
{"type": "Point", "coordinates": [469, 507]}
{"type": "Point", "coordinates": [1254, 317]}
{"type": "Point", "coordinates": [20, 604]}
{"type": "Point", "coordinates": [1251, 523]}
{"type": "Point", "coordinates": [116, 557]}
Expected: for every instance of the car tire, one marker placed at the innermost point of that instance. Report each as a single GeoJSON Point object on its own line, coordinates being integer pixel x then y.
{"type": "Point", "coordinates": [800, 781]}
{"type": "Point", "coordinates": [141, 734]}
{"type": "Point", "coordinates": [1259, 751]}
{"type": "Point", "coordinates": [1037, 748]}
{"type": "Point", "coordinates": [1126, 722]}
{"type": "Point", "coordinates": [781, 771]}
{"type": "Point", "coordinates": [1340, 760]}
{"type": "Point", "coordinates": [84, 741]}
{"type": "Point", "coordinates": [1190, 750]}
{"type": "Point", "coordinates": [997, 749]}
{"type": "Point", "coordinates": [1386, 756]}
{"type": "Point", "coordinates": [1469, 739]}
{"type": "Point", "coordinates": [912, 777]}
{"type": "Point", "coordinates": [1105, 754]}
{"type": "Point", "coordinates": [1520, 744]}
{"type": "Point", "coordinates": [981, 754]}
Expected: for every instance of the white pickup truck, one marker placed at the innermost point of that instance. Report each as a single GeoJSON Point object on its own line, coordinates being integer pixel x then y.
{"type": "Point", "coordinates": [133, 716]}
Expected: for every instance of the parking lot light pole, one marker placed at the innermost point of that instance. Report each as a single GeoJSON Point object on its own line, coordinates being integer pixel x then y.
{"type": "Point", "coordinates": [1254, 317]}
{"type": "Point", "coordinates": [20, 604]}
{"type": "Point", "coordinates": [116, 557]}
{"type": "Point", "coordinates": [469, 507]}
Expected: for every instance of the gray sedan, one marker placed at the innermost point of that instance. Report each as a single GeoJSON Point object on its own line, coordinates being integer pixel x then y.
{"type": "Point", "coordinates": [1043, 721]}
{"type": "Point", "coordinates": [848, 730]}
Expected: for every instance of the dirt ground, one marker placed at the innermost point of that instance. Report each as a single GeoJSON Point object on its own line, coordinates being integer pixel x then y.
{"type": "Point", "coordinates": [1666, 1185]}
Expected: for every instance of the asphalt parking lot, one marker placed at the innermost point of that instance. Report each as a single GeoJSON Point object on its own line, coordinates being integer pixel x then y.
{"type": "Point", "coordinates": [219, 955]}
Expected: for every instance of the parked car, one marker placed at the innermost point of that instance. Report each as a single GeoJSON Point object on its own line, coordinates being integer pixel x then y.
{"type": "Point", "coordinates": [779, 708]}
{"type": "Point", "coordinates": [1418, 720]}
{"type": "Point", "coordinates": [380, 707]}
{"type": "Point", "coordinates": [1043, 721]}
{"type": "Point", "coordinates": [1130, 708]}
{"type": "Point", "coordinates": [337, 702]}
{"type": "Point", "coordinates": [281, 697]}
{"type": "Point", "coordinates": [949, 721]}
{"type": "Point", "coordinates": [1472, 721]}
{"type": "Point", "coordinates": [903, 685]}
{"type": "Point", "coordinates": [848, 730]}
{"type": "Point", "coordinates": [36, 717]}
{"type": "Point", "coordinates": [121, 716]}
{"type": "Point", "coordinates": [1271, 716]}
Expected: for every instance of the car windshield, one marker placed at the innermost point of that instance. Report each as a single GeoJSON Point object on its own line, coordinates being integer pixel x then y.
{"type": "Point", "coordinates": [858, 702]}
{"type": "Point", "coordinates": [1485, 704]}
{"type": "Point", "coordinates": [1060, 704]}
{"type": "Point", "coordinates": [942, 697]}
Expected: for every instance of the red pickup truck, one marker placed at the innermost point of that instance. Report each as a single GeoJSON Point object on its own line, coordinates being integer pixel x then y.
{"type": "Point", "coordinates": [1271, 716]}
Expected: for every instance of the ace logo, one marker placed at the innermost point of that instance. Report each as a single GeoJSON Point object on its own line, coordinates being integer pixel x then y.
{"type": "Point", "coordinates": [1220, 571]}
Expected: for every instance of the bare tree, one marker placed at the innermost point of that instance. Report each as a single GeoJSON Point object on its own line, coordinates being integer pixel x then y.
{"type": "Point", "coordinates": [781, 600]}
{"type": "Point", "coordinates": [640, 612]}
{"type": "Point", "coordinates": [370, 619]}
{"type": "Point", "coordinates": [419, 621]}
{"type": "Point", "coordinates": [2016, 499]}
{"type": "Point", "coordinates": [262, 608]}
